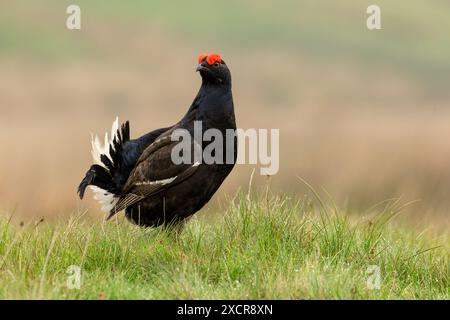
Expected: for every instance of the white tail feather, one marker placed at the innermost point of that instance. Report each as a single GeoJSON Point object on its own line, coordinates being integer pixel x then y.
{"type": "Point", "coordinates": [98, 149]}
{"type": "Point", "coordinates": [105, 198]}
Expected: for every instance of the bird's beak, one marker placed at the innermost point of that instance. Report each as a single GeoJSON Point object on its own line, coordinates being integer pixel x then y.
{"type": "Point", "coordinates": [200, 67]}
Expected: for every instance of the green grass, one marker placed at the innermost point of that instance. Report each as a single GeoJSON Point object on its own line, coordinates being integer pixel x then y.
{"type": "Point", "coordinates": [264, 248]}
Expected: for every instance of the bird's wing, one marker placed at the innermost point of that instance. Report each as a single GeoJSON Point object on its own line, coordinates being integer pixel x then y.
{"type": "Point", "coordinates": [154, 172]}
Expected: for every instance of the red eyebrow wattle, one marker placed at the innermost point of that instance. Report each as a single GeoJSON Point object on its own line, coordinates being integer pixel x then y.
{"type": "Point", "coordinates": [202, 57]}
{"type": "Point", "coordinates": [212, 58]}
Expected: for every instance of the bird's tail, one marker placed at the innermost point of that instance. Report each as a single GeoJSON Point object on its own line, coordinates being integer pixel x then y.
{"type": "Point", "coordinates": [101, 175]}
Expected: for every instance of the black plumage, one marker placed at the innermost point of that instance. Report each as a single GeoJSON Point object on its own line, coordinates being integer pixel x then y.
{"type": "Point", "coordinates": [140, 176]}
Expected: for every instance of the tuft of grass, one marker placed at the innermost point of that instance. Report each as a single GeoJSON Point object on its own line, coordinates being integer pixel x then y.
{"type": "Point", "coordinates": [269, 247]}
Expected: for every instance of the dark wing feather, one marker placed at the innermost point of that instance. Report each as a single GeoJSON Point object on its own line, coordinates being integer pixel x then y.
{"type": "Point", "coordinates": [142, 191]}
{"type": "Point", "coordinates": [154, 172]}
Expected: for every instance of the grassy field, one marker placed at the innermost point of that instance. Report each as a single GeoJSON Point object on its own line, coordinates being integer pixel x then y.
{"type": "Point", "coordinates": [365, 113]}
{"type": "Point", "coordinates": [270, 247]}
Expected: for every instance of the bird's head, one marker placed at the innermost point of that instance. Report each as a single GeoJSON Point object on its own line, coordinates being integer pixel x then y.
{"type": "Point", "coordinates": [213, 69]}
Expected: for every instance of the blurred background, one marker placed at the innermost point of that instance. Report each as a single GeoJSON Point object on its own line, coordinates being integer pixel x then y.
{"type": "Point", "coordinates": [363, 114]}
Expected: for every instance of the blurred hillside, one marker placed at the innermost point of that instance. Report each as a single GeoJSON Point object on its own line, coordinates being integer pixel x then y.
{"type": "Point", "coordinates": [363, 114]}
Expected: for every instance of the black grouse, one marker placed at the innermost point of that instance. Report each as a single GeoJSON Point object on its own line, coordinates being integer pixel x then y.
{"type": "Point", "coordinates": [140, 176]}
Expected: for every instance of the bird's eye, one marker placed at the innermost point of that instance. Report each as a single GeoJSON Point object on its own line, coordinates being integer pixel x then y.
{"type": "Point", "coordinates": [216, 64]}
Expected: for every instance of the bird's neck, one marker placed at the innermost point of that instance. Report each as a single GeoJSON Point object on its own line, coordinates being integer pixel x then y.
{"type": "Point", "coordinates": [213, 102]}
{"type": "Point", "coordinates": [215, 85]}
